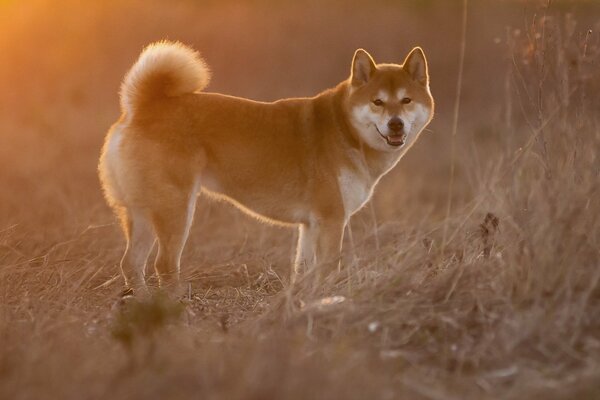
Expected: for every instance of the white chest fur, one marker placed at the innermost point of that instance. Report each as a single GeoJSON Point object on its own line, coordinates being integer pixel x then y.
{"type": "Point", "coordinates": [356, 188]}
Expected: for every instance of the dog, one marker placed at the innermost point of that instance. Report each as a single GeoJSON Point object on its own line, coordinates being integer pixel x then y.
{"type": "Point", "coordinates": [303, 162]}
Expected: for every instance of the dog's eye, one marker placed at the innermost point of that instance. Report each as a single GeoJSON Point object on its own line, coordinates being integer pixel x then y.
{"type": "Point", "coordinates": [406, 100]}
{"type": "Point", "coordinates": [378, 102]}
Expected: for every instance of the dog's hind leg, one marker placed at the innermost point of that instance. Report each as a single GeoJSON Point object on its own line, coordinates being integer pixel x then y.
{"type": "Point", "coordinates": [140, 240]}
{"type": "Point", "coordinates": [172, 222]}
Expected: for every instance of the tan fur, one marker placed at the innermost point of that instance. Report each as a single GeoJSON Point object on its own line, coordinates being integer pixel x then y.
{"type": "Point", "coordinates": [307, 162]}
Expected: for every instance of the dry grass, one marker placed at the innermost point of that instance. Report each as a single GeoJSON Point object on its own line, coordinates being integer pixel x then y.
{"type": "Point", "coordinates": [508, 307]}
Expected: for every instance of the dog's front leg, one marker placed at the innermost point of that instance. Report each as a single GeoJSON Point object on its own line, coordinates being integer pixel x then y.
{"type": "Point", "coordinates": [329, 245]}
{"type": "Point", "coordinates": [319, 242]}
{"type": "Point", "coordinates": [306, 251]}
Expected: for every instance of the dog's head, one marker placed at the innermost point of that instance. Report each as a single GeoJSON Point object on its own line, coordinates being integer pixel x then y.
{"type": "Point", "coordinates": [389, 104]}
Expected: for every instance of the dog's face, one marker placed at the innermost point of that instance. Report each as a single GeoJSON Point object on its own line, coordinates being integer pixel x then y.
{"type": "Point", "coordinates": [389, 104]}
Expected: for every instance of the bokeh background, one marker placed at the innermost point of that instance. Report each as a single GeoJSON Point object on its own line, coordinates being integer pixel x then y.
{"type": "Point", "coordinates": [62, 63]}
{"type": "Point", "coordinates": [531, 82]}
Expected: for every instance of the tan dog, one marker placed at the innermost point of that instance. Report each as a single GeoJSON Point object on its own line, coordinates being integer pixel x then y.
{"type": "Point", "coordinates": [307, 162]}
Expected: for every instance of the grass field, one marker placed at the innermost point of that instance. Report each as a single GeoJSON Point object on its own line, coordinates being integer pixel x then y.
{"type": "Point", "coordinates": [496, 296]}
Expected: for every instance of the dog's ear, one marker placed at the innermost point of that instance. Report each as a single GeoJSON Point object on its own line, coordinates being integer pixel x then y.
{"type": "Point", "coordinates": [416, 66]}
{"type": "Point", "coordinates": [363, 67]}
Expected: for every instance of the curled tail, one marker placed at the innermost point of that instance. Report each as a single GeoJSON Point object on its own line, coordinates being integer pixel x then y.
{"type": "Point", "coordinates": [164, 69]}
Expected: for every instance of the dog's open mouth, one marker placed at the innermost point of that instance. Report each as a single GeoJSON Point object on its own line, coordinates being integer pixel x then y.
{"type": "Point", "coordinates": [393, 140]}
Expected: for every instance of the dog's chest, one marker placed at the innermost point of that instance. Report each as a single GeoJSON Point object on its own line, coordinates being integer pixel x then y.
{"type": "Point", "coordinates": [356, 189]}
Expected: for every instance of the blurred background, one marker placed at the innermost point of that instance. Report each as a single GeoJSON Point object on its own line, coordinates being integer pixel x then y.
{"type": "Point", "coordinates": [62, 63]}
{"type": "Point", "coordinates": [497, 298]}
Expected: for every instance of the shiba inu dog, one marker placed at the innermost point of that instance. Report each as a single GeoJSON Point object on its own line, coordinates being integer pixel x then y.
{"type": "Point", "coordinates": [304, 162]}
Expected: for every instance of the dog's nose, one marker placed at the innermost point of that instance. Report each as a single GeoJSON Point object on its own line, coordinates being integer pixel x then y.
{"type": "Point", "coordinates": [395, 124]}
